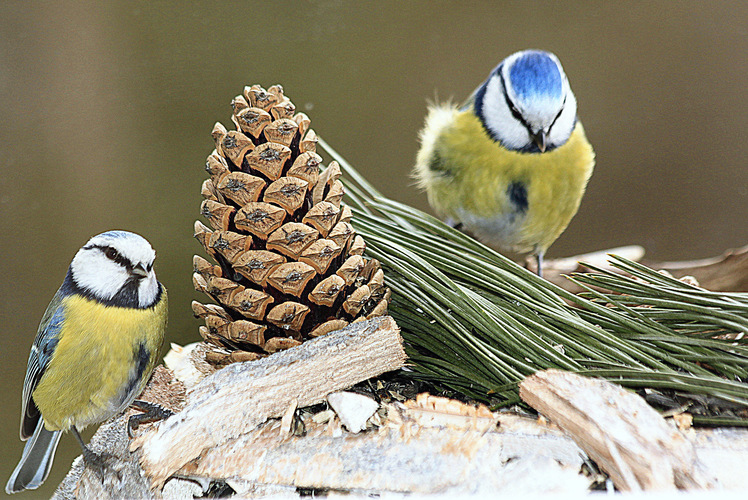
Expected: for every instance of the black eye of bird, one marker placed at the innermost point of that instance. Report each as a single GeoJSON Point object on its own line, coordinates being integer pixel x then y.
{"type": "Point", "coordinates": [111, 253]}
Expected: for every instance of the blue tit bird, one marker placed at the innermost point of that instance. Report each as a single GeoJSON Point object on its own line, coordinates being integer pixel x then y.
{"type": "Point", "coordinates": [511, 165]}
{"type": "Point", "coordinates": [96, 347]}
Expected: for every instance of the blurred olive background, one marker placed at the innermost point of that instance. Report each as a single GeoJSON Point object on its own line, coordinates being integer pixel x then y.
{"type": "Point", "coordinates": [107, 110]}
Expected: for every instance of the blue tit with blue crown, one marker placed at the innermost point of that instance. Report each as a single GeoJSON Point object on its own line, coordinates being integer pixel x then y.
{"type": "Point", "coordinates": [511, 165]}
{"type": "Point", "coordinates": [96, 347]}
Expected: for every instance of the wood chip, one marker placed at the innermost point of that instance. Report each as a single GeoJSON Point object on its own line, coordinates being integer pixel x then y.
{"type": "Point", "coordinates": [352, 409]}
{"type": "Point", "coordinates": [426, 401]}
{"type": "Point", "coordinates": [263, 389]}
{"type": "Point", "coordinates": [260, 218]}
{"type": "Point", "coordinates": [288, 418]}
{"type": "Point", "coordinates": [625, 436]}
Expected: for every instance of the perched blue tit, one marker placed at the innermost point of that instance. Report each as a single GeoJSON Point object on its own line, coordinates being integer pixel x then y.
{"type": "Point", "coordinates": [96, 347]}
{"type": "Point", "coordinates": [511, 165]}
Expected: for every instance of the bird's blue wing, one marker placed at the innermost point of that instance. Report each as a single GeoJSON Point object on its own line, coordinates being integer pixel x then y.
{"type": "Point", "coordinates": [41, 353]}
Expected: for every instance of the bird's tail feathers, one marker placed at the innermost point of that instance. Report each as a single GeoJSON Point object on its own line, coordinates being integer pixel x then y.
{"type": "Point", "coordinates": [36, 460]}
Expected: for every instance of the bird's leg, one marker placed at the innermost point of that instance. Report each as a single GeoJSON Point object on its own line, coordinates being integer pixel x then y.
{"type": "Point", "coordinates": [152, 412]}
{"type": "Point", "coordinates": [539, 262]}
{"type": "Point", "coordinates": [93, 460]}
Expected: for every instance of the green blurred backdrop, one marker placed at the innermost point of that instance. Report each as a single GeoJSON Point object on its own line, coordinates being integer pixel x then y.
{"type": "Point", "coordinates": [107, 110]}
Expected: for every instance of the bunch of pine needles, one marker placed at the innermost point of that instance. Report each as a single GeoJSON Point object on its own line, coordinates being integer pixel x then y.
{"type": "Point", "coordinates": [477, 323]}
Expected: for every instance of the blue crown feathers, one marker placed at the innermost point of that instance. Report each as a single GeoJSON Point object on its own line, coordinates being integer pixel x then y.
{"type": "Point", "coordinates": [536, 75]}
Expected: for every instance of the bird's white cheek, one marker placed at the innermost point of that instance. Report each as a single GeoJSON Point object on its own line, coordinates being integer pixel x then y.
{"type": "Point", "coordinates": [564, 126]}
{"type": "Point", "coordinates": [98, 275]}
{"type": "Point", "coordinates": [148, 290]}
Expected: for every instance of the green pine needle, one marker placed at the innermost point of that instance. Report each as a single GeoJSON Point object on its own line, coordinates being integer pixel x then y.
{"type": "Point", "coordinates": [478, 323]}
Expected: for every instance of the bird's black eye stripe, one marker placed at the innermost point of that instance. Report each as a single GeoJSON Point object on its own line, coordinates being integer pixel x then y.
{"type": "Point", "coordinates": [563, 105]}
{"type": "Point", "coordinates": [112, 254]}
{"type": "Point", "coordinates": [515, 112]}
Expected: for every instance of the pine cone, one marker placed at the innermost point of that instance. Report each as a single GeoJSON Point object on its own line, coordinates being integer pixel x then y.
{"type": "Point", "coordinates": [289, 264]}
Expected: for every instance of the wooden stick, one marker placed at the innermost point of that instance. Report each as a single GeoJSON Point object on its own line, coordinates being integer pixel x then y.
{"type": "Point", "coordinates": [412, 452]}
{"type": "Point", "coordinates": [725, 273]}
{"type": "Point", "coordinates": [429, 444]}
{"type": "Point", "coordinates": [237, 398]}
{"type": "Point", "coordinates": [625, 436]}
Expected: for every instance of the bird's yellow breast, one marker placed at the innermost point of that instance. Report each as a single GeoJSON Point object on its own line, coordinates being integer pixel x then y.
{"type": "Point", "coordinates": [93, 365]}
{"type": "Point", "coordinates": [467, 176]}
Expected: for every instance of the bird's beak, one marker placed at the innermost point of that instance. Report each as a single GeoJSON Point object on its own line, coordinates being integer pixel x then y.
{"type": "Point", "coordinates": [540, 138]}
{"type": "Point", "coordinates": [139, 272]}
